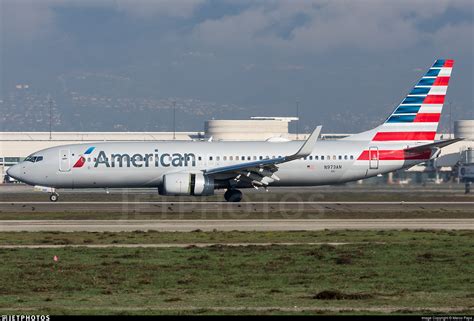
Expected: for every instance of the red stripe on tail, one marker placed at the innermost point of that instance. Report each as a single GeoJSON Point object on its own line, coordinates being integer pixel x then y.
{"type": "Point", "coordinates": [388, 136]}
{"type": "Point", "coordinates": [434, 99]}
{"type": "Point", "coordinates": [448, 63]}
{"type": "Point", "coordinates": [427, 118]}
{"type": "Point", "coordinates": [441, 81]}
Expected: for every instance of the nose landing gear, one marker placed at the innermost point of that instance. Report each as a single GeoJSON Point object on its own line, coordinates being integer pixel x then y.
{"type": "Point", "coordinates": [53, 196]}
{"type": "Point", "coordinates": [233, 195]}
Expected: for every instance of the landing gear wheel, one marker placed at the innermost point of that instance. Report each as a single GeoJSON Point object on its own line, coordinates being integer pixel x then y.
{"type": "Point", "coordinates": [233, 195]}
{"type": "Point", "coordinates": [54, 197]}
{"type": "Point", "coordinates": [227, 194]}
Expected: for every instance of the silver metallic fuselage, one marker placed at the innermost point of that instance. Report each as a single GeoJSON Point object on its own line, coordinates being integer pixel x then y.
{"type": "Point", "coordinates": [57, 169]}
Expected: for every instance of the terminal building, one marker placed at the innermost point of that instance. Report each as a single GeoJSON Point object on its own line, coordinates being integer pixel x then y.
{"type": "Point", "coordinates": [15, 146]}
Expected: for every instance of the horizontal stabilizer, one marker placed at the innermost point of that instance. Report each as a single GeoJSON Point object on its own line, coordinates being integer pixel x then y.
{"type": "Point", "coordinates": [438, 144]}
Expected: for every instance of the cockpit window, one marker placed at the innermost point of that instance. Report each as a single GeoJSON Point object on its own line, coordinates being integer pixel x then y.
{"type": "Point", "coordinates": [33, 159]}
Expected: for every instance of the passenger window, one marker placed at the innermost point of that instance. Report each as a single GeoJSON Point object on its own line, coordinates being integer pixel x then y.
{"type": "Point", "coordinates": [310, 157]}
{"type": "Point", "coordinates": [255, 158]}
{"type": "Point", "coordinates": [322, 157]}
{"type": "Point", "coordinates": [261, 157]}
{"type": "Point", "coordinates": [316, 157]}
{"type": "Point", "coordinates": [334, 157]}
{"type": "Point", "coordinates": [340, 157]}
{"type": "Point", "coordinates": [210, 158]}
{"type": "Point", "coordinates": [199, 158]}
{"type": "Point", "coordinates": [218, 158]}
{"type": "Point", "coordinates": [231, 158]}
{"type": "Point", "coordinates": [352, 157]}
{"type": "Point", "coordinates": [225, 158]}
{"type": "Point", "coordinates": [249, 158]}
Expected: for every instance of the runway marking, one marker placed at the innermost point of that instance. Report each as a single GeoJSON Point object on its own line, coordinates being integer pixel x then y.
{"type": "Point", "coordinates": [171, 245]}
{"type": "Point", "coordinates": [241, 203]}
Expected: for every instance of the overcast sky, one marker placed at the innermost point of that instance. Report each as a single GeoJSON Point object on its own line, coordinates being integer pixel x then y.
{"type": "Point", "coordinates": [335, 57]}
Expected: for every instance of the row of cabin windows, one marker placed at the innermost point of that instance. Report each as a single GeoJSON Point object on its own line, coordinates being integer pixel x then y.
{"type": "Point", "coordinates": [242, 158]}
{"type": "Point", "coordinates": [328, 157]}
{"type": "Point", "coordinates": [316, 157]}
{"type": "Point", "coordinates": [249, 158]}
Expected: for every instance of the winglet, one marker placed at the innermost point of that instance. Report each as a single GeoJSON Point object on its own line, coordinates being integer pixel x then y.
{"type": "Point", "coordinates": [308, 145]}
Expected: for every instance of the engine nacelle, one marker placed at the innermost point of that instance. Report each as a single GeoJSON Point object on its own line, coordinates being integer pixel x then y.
{"type": "Point", "coordinates": [187, 184]}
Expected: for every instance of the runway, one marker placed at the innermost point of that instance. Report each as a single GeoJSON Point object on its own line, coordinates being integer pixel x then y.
{"type": "Point", "coordinates": [231, 225]}
{"type": "Point", "coordinates": [213, 207]}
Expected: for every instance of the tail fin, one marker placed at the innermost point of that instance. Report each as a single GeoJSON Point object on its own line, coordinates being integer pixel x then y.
{"type": "Point", "coordinates": [417, 117]}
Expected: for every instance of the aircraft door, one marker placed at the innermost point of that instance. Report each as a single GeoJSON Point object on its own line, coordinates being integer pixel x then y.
{"type": "Point", "coordinates": [373, 157]}
{"type": "Point", "coordinates": [64, 160]}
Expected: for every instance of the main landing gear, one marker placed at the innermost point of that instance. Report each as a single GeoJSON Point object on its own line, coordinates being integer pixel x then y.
{"type": "Point", "coordinates": [53, 197]}
{"type": "Point", "coordinates": [233, 195]}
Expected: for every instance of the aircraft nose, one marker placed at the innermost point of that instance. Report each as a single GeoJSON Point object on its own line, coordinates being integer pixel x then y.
{"type": "Point", "coordinates": [14, 171]}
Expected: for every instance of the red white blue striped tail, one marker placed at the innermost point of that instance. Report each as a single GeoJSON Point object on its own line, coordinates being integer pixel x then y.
{"type": "Point", "coordinates": [418, 115]}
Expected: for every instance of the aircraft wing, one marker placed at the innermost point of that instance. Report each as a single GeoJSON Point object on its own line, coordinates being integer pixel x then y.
{"type": "Point", "coordinates": [262, 172]}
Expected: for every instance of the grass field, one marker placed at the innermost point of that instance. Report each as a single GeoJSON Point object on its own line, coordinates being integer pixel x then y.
{"type": "Point", "coordinates": [390, 272]}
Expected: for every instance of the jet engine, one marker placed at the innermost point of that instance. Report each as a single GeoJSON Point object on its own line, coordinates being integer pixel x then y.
{"type": "Point", "coordinates": [187, 184]}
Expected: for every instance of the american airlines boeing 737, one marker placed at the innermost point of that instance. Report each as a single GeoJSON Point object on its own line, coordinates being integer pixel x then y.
{"type": "Point", "coordinates": [406, 138]}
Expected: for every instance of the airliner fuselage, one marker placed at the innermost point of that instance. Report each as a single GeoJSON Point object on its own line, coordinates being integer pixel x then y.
{"type": "Point", "coordinates": [143, 164]}
{"type": "Point", "coordinates": [198, 168]}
